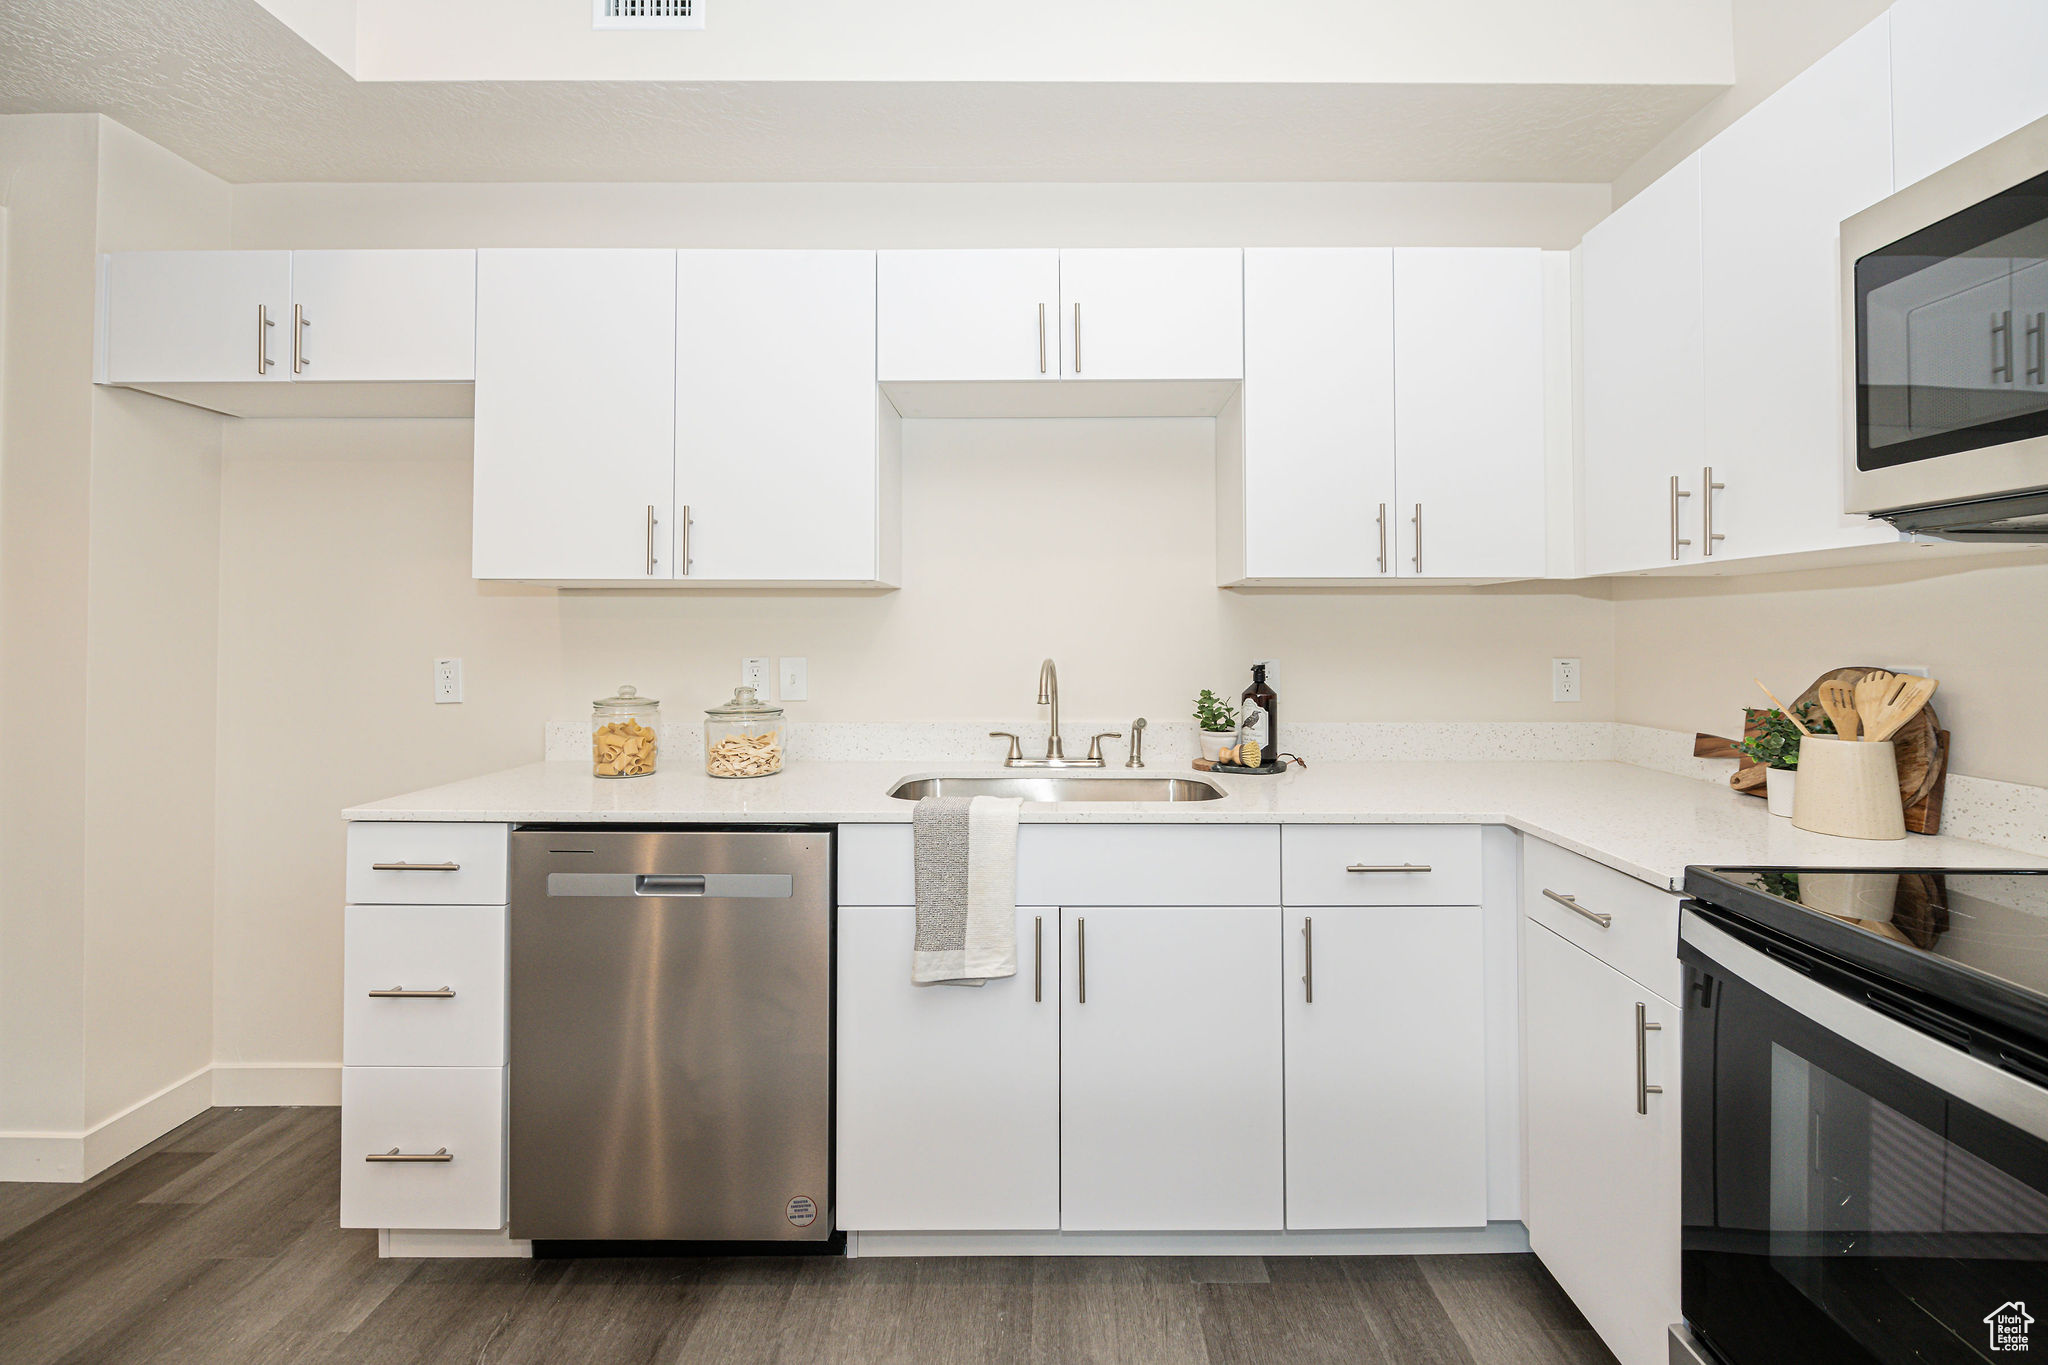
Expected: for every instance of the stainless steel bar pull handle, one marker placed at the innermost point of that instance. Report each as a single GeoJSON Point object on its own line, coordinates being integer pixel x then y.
{"type": "Point", "coordinates": [416, 867]}
{"type": "Point", "coordinates": [1417, 519]}
{"type": "Point", "coordinates": [1041, 338]}
{"type": "Point", "coordinates": [1645, 1026]}
{"type": "Point", "coordinates": [1037, 959]}
{"type": "Point", "coordinates": [1388, 867]}
{"type": "Point", "coordinates": [1308, 960]}
{"type": "Point", "coordinates": [683, 560]}
{"type": "Point", "coordinates": [1383, 537]}
{"type": "Point", "coordinates": [1081, 960]}
{"type": "Point", "coordinates": [2037, 348]}
{"type": "Point", "coordinates": [1571, 903]}
{"type": "Point", "coordinates": [650, 540]}
{"type": "Point", "coordinates": [1676, 494]}
{"type": "Point", "coordinates": [1707, 490]}
{"type": "Point", "coordinates": [1077, 338]}
{"type": "Point", "coordinates": [401, 993]}
{"type": "Point", "coordinates": [298, 338]}
{"type": "Point", "coordinates": [263, 326]}
{"type": "Point", "coordinates": [438, 1155]}
{"type": "Point", "coordinates": [2001, 346]}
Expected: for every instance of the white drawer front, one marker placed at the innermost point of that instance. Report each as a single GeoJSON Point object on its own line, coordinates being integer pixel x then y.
{"type": "Point", "coordinates": [424, 950]}
{"type": "Point", "coordinates": [421, 1110]}
{"type": "Point", "coordinates": [1640, 937]}
{"type": "Point", "coordinates": [1380, 865]}
{"type": "Point", "coordinates": [1089, 865]}
{"type": "Point", "coordinates": [401, 862]}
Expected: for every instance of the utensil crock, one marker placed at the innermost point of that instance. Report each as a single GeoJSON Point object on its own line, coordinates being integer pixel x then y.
{"type": "Point", "coordinates": [1849, 788]}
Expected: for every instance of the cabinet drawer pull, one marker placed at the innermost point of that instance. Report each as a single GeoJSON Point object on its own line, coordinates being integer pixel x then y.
{"type": "Point", "coordinates": [1081, 966]}
{"type": "Point", "coordinates": [263, 326]}
{"type": "Point", "coordinates": [1077, 338]}
{"type": "Point", "coordinates": [1308, 960]}
{"type": "Point", "coordinates": [1388, 867]}
{"type": "Point", "coordinates": [401, 993]}
{"type": "Point", "coordinates": [298, 338]}
{"type": "Point", "coordinates": [1383, 537]}
{"type": "Point", "coordinates": [1676, 494]}
{"type": "Point", "coordinates": [438, 1155]}
{"type": "Point", "coordinates": [1708, 535]}
{"type": "Point", "coordinates": [650, 540]}
{"type": "Point", "coordinates": [1037, 959]}
{"type": "Point", "coordinates": [1041, 338]}
{"type": "Point", "coordinates": [1645, 1026]}
{"type": "Point", "coordinates": [1417, 519]}
{"type": "Point", "coordinates": [416, 867]}
{"type": "Point", "coordinates": [1572, 903]}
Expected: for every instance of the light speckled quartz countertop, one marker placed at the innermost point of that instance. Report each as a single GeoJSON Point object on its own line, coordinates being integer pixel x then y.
{"type": "Point", "coordinates": [1649, 824]}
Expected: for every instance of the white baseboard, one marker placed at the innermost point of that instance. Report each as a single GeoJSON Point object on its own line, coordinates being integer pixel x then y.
{"type": "Point", "coordinates": [72, 1157]}
{"type": "Point", "coordinates": [284, 1083]}
{"type": "Point", "coordinates": [1494, 1237]}
{"type": "Point", "coordinates": [413, 1242]}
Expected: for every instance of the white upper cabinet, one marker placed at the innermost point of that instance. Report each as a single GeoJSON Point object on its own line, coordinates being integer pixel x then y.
{"type": "Point", "coordinates": [1468, 412]}
{"type": "Point", "coordinates": [1318, 412]}
{"type": "Point", "coordinates": [1170, 1069]}
{"type": "Point", "coordinates": [1152, 313]}
{"type": "Point", "coordinates": [1774, 189]}
{"type": "Point", "coordinates": [1964, 74]}
{"type": "Point", "coordinates": [370, 316]}
{"type": "Point", "coordinates": [194, 317]}
{"type": "Point", "coordinates": [777, 476]}
{"type": "Point", "coordinates": [1386, 1067]}
{"type": "Point", "coordinates": [575, 414]}
{"type": "Point", "coordinates": [1642, 422]}
{"type": "Point", "coordinates": [968, 315]}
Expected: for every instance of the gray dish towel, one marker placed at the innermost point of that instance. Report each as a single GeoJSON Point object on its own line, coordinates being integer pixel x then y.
{"type": "Point", "coordinates": [966, 865]}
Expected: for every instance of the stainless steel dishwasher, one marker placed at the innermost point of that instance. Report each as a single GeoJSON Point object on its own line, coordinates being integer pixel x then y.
{"type": "Point", "coordinates": [671, 1035]}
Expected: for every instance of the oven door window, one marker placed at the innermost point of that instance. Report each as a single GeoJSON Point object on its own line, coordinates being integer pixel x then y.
{"type": "Point", "coordinates": [1952, 333]}
{"type": "Point", "coordinates": [1846, 1210]}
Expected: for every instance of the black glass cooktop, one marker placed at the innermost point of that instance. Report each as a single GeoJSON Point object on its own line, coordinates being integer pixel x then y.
{"type": "Point", "coordinates": [1974, 939]}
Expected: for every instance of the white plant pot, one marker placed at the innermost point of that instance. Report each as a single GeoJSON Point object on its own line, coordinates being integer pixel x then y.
{"type": "Point", "coordinates": [1213, 743]}
{"type": "Point", "coordinates": [1779, 784]}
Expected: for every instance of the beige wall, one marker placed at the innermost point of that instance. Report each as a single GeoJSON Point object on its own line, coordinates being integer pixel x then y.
{"type": "Point", "coordinates": [345, 572]}
{"type": "Point", "coordinates": [1686, 649]}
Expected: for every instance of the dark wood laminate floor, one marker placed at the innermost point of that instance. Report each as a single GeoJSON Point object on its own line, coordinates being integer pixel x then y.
{"type": "Point", "coordinates": [217, 1245]}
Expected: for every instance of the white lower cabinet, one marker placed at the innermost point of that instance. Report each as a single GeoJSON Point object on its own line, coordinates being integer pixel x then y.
{"type": "Point", "coordinates": [423, 985]}
{"type": "Point", "coordinates": [949, 1096]}
{"type": "Point", "coordinates": [1386, 1067]}
{"type": "Point", "coordinates": [1603, 1160]}
{"type": "Point", "coordinates": [423, 1147]}
{"type": "Point", "coordinates": [1170, 1069]}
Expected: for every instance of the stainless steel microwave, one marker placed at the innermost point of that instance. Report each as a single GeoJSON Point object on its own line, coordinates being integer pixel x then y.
{"type": "Point", "coordinates": [1947, 326]}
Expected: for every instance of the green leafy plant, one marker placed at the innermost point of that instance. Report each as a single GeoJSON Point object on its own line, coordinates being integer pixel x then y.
{"type": "Point", "coordinates": [1214, 714]}
{"type": "Point", "coordinates": [1776, 743]}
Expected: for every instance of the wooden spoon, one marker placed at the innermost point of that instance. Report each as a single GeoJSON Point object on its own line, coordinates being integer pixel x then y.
{"type": "Point", "coordinates": [1781, 707]}
{"type": "Point", "coordinates": [1871, 689]}
{"type": "Point", "coordinates": [1902, 705]}
{"type": "Point", "coordinates": [1838, 699]}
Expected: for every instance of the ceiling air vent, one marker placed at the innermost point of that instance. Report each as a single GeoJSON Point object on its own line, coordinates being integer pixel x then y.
{"type": "Point", "coordinates": [648, 14]}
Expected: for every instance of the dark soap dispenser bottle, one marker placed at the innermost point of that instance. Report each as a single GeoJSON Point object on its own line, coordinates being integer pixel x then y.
{"type": "Point", "coordinates": [1261, 695]}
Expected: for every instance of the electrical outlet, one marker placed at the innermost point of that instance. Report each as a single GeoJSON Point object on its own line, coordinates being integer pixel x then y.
{"type": "Point", "coordinates": [447, 681]}
{"type": "Point", "coordinates": [794, 679]}
{"type": "Point", "coordinates": [1917, 670]}
{"type": "Point", "coordinates": [754, 674]}
{"type": "Point", "coordinates": [1564, 680]}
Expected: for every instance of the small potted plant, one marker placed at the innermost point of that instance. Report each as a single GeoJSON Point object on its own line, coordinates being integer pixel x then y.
{"type": "Point", "coordinates": [1218, 722]}
{"type": "Point", "coordinates": [1776, 746]}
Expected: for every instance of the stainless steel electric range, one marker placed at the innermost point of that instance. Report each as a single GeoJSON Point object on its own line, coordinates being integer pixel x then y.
{"type": "Point", "coordinates": [1866, 1116]}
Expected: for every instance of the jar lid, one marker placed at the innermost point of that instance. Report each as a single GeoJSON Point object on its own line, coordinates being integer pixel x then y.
{"type": "Point", "coordinates": [626, 698]}
{"type": "Point", "coordinates": [744, 703]}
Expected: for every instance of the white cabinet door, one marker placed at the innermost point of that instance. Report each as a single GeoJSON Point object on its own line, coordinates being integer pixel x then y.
{"type": "Point", "coordinates": [968, 315]}
{"type": "Point", "coordinates": [1468, 412]}
{"type": "Point", "coordinates": [1774, 189]}
{"type": "Point", "coordinates": [1964, 74]}
{"type": "Point", "coordinates": [1170, 1069]}
{"type": "Point", "coordinates": [1318, 412]}
{"type": "Point", "coordinates": [384, 315]}
{"type": "Point", "coordinates": [949, 1096]}
{"type": "Point", "coordinates": [1386, 1067]}
{"type": "Point", "coordinates": [777, 462]}
{"type": "Point", "coordinates": [198, 317]}
{"type": "Point", "coordinates": [575, 414]}
{"type": "Point", "coordinates": [1152, 313]}
{"type": "Point", "coordinates": [1640, 376]}
{"type": "Point", "coordinates": [1602, 1199]}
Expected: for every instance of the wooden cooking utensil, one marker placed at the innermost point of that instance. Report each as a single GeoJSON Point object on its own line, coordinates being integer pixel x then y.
{"type": "Point", "coordinates": [1871, 691]}
{"type": "Point", "coordinates": [1902, 705]}
{"type": "Point", "coordinates": [1838, 699]}
{"type": "Point", "coordinates": [1789, 715]}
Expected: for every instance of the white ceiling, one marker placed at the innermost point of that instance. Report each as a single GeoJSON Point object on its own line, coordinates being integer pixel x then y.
{"type": "Point", "coordinates": [227, 86]}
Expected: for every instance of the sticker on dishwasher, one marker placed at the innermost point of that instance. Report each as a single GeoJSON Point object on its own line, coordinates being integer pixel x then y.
{"type": "Point", "coordinates": [802, 1211]}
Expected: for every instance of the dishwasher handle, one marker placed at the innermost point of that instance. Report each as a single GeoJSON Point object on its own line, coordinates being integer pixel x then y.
{"type": "Point", "coordinates": [669, 884]}
{"type": "Point", "coordinates": [772, 886]}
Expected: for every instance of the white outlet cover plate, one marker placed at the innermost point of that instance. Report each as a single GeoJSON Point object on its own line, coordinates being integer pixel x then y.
{"type": "Point", "coordinates": [754, 674]}
{"type": "Point", "coordinates": [447, 681]}
{"type": "Point", "coordinates": [1565, 675]}
{"type": "Point", "coordinates": [793, 678]}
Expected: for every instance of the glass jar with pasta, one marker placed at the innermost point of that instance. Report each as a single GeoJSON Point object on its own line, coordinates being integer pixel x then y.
{"type": "Point", "coordinates": [623, 738]}
{"type": "Point", "coordinates": [743, 738]}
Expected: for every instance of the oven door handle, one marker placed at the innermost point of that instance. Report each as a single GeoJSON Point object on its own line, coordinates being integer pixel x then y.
{"type": "Point", "coordinates": [1999, 1093]}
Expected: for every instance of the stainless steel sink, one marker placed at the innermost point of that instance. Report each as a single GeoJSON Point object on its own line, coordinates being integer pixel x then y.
{"type": "Point", "coordinates": [1061, 788]}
